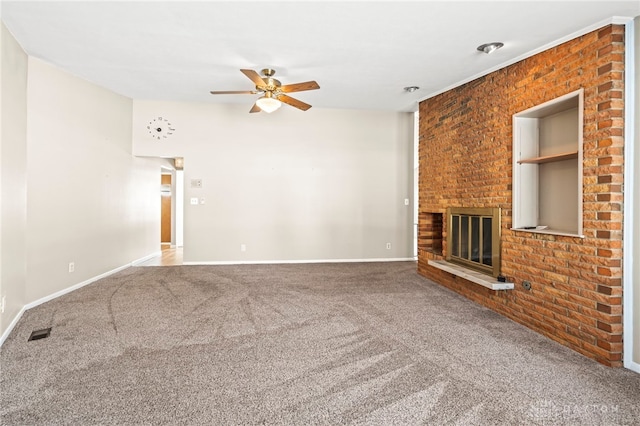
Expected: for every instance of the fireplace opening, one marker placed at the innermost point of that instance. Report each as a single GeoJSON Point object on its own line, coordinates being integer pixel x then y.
{"type": "Point", "coordinates": [430, 232]}
{"type": "Point", "coordinates": [473, 238]}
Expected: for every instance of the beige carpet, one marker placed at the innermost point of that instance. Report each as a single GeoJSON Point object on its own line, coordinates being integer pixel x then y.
{"type": "Point", "coordinates": [366, 343]}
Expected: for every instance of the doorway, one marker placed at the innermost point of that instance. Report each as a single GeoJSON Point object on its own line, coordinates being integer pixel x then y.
{"type": "Point", "coordinates": [171, 217]}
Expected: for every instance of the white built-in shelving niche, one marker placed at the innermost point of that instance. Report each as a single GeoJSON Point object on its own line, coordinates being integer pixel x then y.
{"type": "Point", "coordinates": [547, 167]}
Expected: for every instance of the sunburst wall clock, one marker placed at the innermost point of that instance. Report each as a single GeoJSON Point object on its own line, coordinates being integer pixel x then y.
{"type": "Point", "coordinates": [160, 128]}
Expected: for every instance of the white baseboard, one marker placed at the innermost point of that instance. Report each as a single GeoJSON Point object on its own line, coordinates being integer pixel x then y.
{"type": "Point", "coordinates": [272, 262]}
{"type": "Point", "coordinates": [12, 325]}
{"type": "Point", "coordinates": [144, 259]}
{"type": "Point", "coordinates": [74, 287]}
{"type": "Point", "coordinates": [57, 294]}
{"type": "Point", "coordinates": [633, 366]}
{"type": "Point", "coordinates": [62, 292]}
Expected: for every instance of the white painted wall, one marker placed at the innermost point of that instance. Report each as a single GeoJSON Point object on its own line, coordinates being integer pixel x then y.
{"type": "Point", "coordinates": [632, 211]}
{"type": "Point", "coordinates": [13, 177]}
{"type": "Point", "coordinates": [290, 186]}
{"type": "Point", "coordinates": [178, 188]}
{"type": "Point", "coordinates": [89, 200]}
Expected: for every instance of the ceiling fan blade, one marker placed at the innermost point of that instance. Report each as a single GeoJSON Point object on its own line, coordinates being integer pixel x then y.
{"type": "Point", "coordinates": [293, 102]}
{"type": "Point", "coordinates": [254, 76]}
{"type": "Point", "coordinates": [233, 92]}
{"type": "Point", "coordinates": [255, 108]}
{"type": "Point", "coordinates": [299, 87]}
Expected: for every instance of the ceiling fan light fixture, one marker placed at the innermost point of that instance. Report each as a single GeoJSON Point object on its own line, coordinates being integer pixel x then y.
{"type": "Point", "coordinates": [274, 93]}
{"type": "Point", "coordinates": [268, 104]}
{"type": "Point", "coordinates": [489, 48]}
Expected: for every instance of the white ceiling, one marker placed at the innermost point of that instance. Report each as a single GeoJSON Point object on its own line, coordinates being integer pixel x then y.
{"type": "Point", "coordinates": [362, 53]}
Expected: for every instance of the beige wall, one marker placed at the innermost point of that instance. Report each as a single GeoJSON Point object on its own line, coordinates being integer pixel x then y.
{"type": "Point", "coordinates": [13, 172]}
{"type": "Point", "coordinates": [90, 201]}
{"type": "Point", "coordinates": [292, 185]}
{"type": "Point", "coordinates": [71, 189]}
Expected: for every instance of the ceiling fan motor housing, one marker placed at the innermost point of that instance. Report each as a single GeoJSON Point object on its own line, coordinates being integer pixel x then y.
{"type": "Point", "coordinates": [271, 84]}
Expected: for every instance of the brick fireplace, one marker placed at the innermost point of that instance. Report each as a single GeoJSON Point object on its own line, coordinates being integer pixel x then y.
{"type": "Point", "coordinates": [465, 151]}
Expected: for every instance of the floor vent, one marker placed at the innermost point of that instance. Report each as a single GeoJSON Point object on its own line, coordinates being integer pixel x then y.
{"type": "Point", "coordinates": [40, 334]}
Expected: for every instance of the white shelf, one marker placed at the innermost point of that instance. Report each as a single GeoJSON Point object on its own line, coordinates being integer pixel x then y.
{"type": "Point", "coordinates": [550, 158]}
{"type": "Point", "coordinates": [471, 275]}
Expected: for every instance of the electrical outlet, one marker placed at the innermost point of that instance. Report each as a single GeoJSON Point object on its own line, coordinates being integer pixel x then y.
{"type": "Point", "coordinates": [243, 247]}
{"type": "Point", "coordinates": [388, 246]}
{"type": "Point", "coordinates": [2, 304]}
{"type": "Point", "coordinates": [196, 183]}
{"type": "Point", "coordinates": [72, 267]}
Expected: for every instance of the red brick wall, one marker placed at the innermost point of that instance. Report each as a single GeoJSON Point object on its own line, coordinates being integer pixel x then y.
{"type": "Point", "coordinates": [466, 161]}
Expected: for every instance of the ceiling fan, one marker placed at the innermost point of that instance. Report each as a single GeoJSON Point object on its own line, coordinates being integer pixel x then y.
{"type": "Point", "coordinates": [273, 92]}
